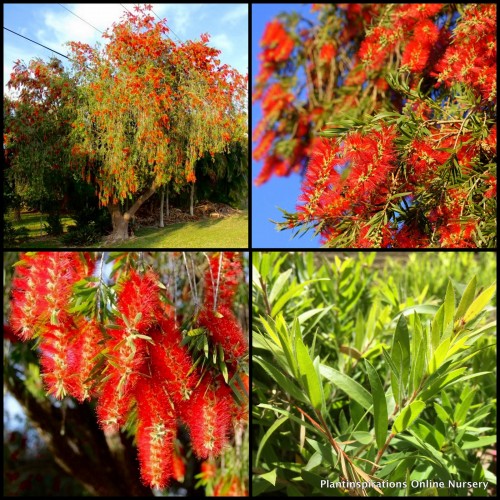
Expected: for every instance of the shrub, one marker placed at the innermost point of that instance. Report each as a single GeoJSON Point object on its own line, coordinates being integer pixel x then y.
{"type": "Point", "coordinates": [360, 377]}
{"type": "Point", "coordinates": [54, 226]}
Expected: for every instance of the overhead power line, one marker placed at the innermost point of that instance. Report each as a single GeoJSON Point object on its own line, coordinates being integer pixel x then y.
{"type": "Point", "coordinates": [76, 15]}
{"type": "Point", "coordinates": [41, 45]}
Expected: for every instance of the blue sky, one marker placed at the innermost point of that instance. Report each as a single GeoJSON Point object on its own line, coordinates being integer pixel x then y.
{"type": "Point", "coordinates": [280, 192]}
{"type": "Point", "coordinates": [52, 25]}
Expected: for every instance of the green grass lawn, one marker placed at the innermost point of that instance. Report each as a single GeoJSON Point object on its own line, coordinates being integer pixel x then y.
{"type": "Point", "coordinates": [37, 235]}
{"type": "Point", "coordinates": [228, 232]}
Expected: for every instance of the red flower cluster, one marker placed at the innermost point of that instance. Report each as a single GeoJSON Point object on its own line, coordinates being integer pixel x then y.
{"type": "Point", "coordinates": [472, 57]}
{"type": "Point", "coordinates": [277, 47]}
{"type": "Point", "coordinates": [418, 50]}
{"type": "Point", "coordinates": [327, 53]}
{"type": "Point", "coordinates": [40, 307]}
{"type": "Point", "coordinates": [146, 364]}
{"type": "Point", "coordinates": [221, 279]}
{"type": "Point", "coordinates": [329, 194]}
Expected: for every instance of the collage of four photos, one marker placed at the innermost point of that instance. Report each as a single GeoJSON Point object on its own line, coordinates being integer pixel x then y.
{"type": "Point", "coordinates": [249, 249]}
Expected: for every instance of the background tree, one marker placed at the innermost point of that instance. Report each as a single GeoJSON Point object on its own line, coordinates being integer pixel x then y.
{"type": "Point", "coordinates": [38, 120]}
{"type": "Point", "coordinates": [100, 353]}
{"type": "Point", "coordinates": [392, 109]}
{"type": "Point", "coordinates": [148, 109]}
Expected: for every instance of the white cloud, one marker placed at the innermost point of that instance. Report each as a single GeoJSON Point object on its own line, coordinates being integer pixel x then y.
{"type": "Point", "coordinates": [60, 26]}
{"type": "Point", "coordinates": [237, 14]}
{"type": "Point", "coordinates": [223, 43]}
{"type": "Point", "coordinates": [181, 17]}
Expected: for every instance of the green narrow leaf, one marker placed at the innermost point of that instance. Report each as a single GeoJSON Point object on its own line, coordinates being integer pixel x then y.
{"type": "Point", "coordinates": [467, 298]}
{"type": "Point", "coordinates": [269, 330]}
{"type": "Point", "coordinates": [400, 354]}
{"type": "Point", "coordinates": [270, 477]}
{"type": "Point", "coordinates": [480, 303]}
{"type": "Point", "coordinates": [439, 355]}
{"type": "Point", "coordinates": [463, 407]}
{"type": "Point", "coordinates": [402, 337]}
{"type": "Point", "coordinates": [268, 434]}
{"type": "Point", "coordinates": [379, 405]}
{"type": "Point", "coordinates": [308, 376]}
{"type": "Point", "coordinates": [281, 379]}
{"type": "Point", "coordinates": [478, 442]}
{"type": "Point", "coordinates": [409, 414]}
{"type": "Point", "coordinates": [352, 388]}
{"type": "Point", "coordinates": [418, 367]}
{"type": "Point", "coordinates": [449, 306]}
{"type": "Point", "coordinates": [437, 328]}
{"type": "Point", "coordinates": [279, 284]}
{"type": "Point", "coordinates": [442, 413]}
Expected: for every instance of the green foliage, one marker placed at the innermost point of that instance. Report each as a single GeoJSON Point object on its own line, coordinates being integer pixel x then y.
{"type": "Point", "coordinates": [54, 225]}
{"type": "Point", "coordinates": [373, 368]}
{"type": "Point", "coordinates": [81, 236]}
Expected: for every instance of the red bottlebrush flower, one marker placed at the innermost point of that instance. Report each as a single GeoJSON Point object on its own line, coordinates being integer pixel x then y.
{"type": "Point", "coordinates": [114, 400]}
{"type": "Point", "coordinates": [321, 172]}
{"type": "Point", "coordinates": [426, 31]}
{"type": "Point", "coordinates": [407, 15]}
{"type": "Point", "coordinates": [410, 236]}
{"type": "Point", "coordinates": [425, 160]}
{"type": "Point", "coordinates": [178, 466]}
{"type": "Point", "coordinates": [171, 362]}
{"type": "Point", "coordinates": [54, 360]}
{"type": "Point", "coordinates": [138, 299]}
{"type": "Point", "coordinates": [223, 329]}
{"type": "Point", "coordinates": [265, 145]}
{"type": "Point", "coordinates": [327, 53]}
{"type": "Point", "coordinates": [42, 288]}
{"type": "Point", "coordinates": [416, 55]}
{"type": "Point", "coordinates": [222, 279]}
{"type": "Point", "coordinates": [371, 160]}
{"type": "Point", "coordinates": [208, 469]}
{"type": "Point", "coordinates": [273, 165]}
{"type": "Point", "coordinates": [275, 100]}
{"type": "Point", "coordinates": [156, 431]}
{"type": "Point", "coordinates": [377, 45]}
{"type": "Point", "coordinates": [208, 416]}
{"type": "Point", "coordinates": [491, 182]}
{"type": "Point", "coordinates": [276, 42]}
{"type": "Point", "coordinates": [231, 488]}
{"type": "Point", "coordinates": [471, 58]}
{"type": "Point", "coordinates": [81, 358]}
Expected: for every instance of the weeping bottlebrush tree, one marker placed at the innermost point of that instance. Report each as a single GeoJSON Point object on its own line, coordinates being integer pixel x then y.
{"type": "Point", "coordinates": [389, 111]}
{"type": "Point", "coordinates": [148, 108]}
{"type": "Point", "coordinates": [154, 342]}
{"type": "Point", "coordinates": [374, 379]}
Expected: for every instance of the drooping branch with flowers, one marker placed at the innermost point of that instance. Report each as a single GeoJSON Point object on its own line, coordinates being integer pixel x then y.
{"type": "Point", "coordinates": [117, 337]}
{"type": "Point", "coordinates": [389, 113]}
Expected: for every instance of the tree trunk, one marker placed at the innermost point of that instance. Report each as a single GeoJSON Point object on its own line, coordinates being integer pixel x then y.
{"type": "Point", "coordinates": [121, 220]}
{"type": "Point", "coordinates": [79, 447]}
{"type": "Point", "coordinates": [191, 204]}
{"type": "Point", "coordinates": [162, 200]}
{"type": "Point", "coordinates": [168, 206]}
{"type": "Point", "coordinates": [17, 214]}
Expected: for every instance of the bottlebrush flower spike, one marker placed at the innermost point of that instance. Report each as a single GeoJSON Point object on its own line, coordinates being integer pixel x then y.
{"type": "Point", "coordinates": [171, 362]}
{"type": "Point", "coordinates": [42, 288]}
{"type": "Point", "coordinates": [223, 329]}
{"type": "Point", "coordinates": [54, 347]}
{"type": "Point", "coordinates": [114, 400]}
{"type": "Point", "coordinates": [222, 279]}
{"type": "Point", "coordinates": [155, 432]}
{"type": "Point", "coordinates": [81, 358]}
{"type": "Point", "coordinates": [138, 299]}
{"type": "Point", "coordinates": [208, 416]}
